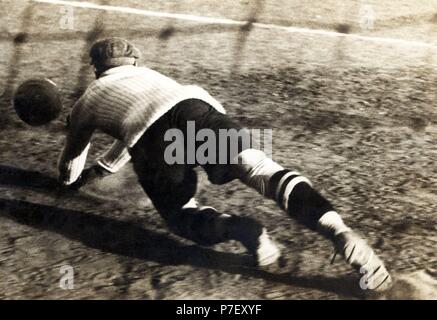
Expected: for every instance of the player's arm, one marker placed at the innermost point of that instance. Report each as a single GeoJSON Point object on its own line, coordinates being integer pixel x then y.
{"type": "Point", "coordinates": [110, 162]}
{"type": "Point", "coordinates": [73, 157]}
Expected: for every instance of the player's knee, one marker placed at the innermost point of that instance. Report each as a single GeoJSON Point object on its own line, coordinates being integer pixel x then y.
{"type": "Point", "coordinates": [253, 167]}
{"type": "Point", "coordinates": [256, 169]}
{"type": "Point", "coordinates": [202, 225]}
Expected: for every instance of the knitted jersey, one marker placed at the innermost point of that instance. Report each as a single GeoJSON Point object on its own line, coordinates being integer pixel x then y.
{"type": "Point", "coordinates": [122, 103]}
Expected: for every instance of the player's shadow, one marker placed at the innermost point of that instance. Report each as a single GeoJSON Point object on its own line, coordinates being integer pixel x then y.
{"type": "Point", "coordinates": [42, 183]}
{"type": "Point", "coordinates": [12, 176]}
{"type": "Point", "coordinates": [128, 239]}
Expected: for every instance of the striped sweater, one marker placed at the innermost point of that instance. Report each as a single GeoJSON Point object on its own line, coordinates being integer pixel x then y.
{"type": "Point", "coordinates": [122, 103]}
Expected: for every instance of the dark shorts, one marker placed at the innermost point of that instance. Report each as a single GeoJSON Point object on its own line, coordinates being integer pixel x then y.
{"type": "Point", "coordinates": [170, 185]}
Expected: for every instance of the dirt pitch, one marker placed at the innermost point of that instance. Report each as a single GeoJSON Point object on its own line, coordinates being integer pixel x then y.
{"type": "Point", "coordinates": [357, 116]}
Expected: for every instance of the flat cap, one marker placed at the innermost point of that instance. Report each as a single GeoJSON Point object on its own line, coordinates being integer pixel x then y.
{"type": "Point", "coordinates": [113, 52]}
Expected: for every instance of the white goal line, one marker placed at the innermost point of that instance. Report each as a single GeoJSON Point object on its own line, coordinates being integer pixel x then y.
{"type": "Point", "coordinates": [224, 21]}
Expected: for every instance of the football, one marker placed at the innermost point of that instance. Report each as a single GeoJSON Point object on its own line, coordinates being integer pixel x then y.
{"type": "Point", "coordinates": [37, 101]}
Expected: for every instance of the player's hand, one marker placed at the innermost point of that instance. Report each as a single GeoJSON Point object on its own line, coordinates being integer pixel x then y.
{"type": "Point", "coordinates": [89, 175]}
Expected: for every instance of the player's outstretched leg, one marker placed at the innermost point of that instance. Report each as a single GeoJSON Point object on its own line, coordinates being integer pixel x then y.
{"type": "Point", "coordinates": [295, 194]}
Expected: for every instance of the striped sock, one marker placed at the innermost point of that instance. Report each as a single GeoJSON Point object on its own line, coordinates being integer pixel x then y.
{"type": "Point", "coordinates": [295, 195]}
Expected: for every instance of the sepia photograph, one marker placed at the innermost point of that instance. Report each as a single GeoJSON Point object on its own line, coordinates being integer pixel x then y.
{"type": "Point", "coordinates": [245, 151]}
